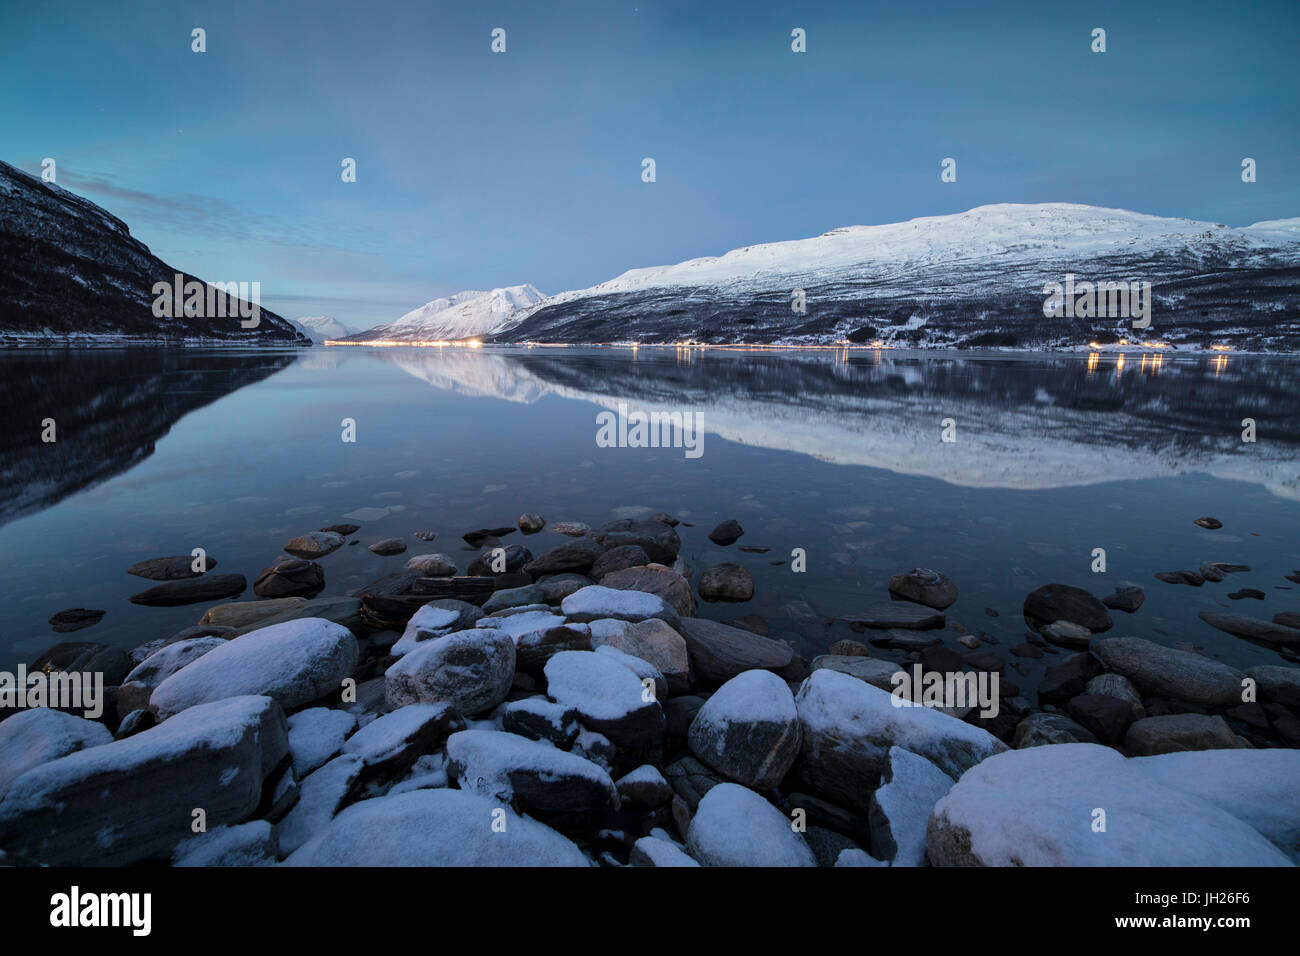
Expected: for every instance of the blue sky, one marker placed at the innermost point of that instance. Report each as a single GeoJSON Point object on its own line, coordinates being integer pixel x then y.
{"type": "Point", "coordinates": [478, 170]}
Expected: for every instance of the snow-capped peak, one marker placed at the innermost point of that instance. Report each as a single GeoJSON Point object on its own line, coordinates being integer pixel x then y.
{"type": "Point", "coordinates": [322, 327]}
{"type": "Point", "coordinates": [464, 315]}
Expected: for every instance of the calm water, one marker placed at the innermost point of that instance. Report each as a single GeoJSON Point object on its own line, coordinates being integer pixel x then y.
{"type": "Point", "coordinates": [839, 454]}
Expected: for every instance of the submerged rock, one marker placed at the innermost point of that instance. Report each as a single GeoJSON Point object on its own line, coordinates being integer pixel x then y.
{"type": "Point", "coordinates": [173, 568]}
{"type": "Point", "coordinates": [726, 582]}
{"type": "Point", "coordinates": [728, 532]}
{"type": "Point", "coordinates": [209, 587]}
{"type": "Point", "coordinates": [924, 586]}
{"type": "Point", "coordinates": [317, 544]}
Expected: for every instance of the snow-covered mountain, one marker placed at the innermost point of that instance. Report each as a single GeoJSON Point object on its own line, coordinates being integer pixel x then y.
{"type": "Point", "coordinates": [71, 273]}
{"type": "Point", "coordinates": [322, 327]}
{"type": "Point", "coordinates": [972, 279]}
{"type": "Point", "coordinates": [465, 315]}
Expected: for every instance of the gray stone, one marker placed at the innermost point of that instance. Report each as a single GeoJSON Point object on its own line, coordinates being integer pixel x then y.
{"type": "Point", "coordinates": [1174, 732]}
{"type": "Point", "coordinates": [748, 730]}
{"type": "Point", "coordinates": [719, 652]}
{"type": "Point", "coordinates": [472, 670]}
{"type": "Point", "coordinates": [1159, 671]}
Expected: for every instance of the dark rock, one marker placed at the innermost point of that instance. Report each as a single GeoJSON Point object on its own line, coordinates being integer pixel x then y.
{"type": "Point", "coordinates": [209, 587]}
{"type": "Point", "coordinates": [1179, 732]}
{"type": "Point", "coordinates": [1106, 717]}
{"type": "Point", "coordinates": [74, 619]}
{"type": "Point", "coordinates": [530, 523]}
{"type": "Point", "coordinates": [655, 579]}
{"type": "Point", "coordinates": [1239, 625]}
{"type": "Point", "coordinates": [617, 559]}
{"type": "Point", "coordinates": [1027, 650]}
{"type": "Point", "coordinates": [576, 556]}
{"type": "Point", "coordinates": [1212, 524]}
{"type": "Point", "coordinates": [1069, 678]}
{"type": "Point", "coordinates": [516, 557]}
{"type": "Point", "coordinates": [347, 529]}
{"type": "Point", "coordinates": [898, 614]}
{"type": "Point", "coordinates": [728, 532]}
{"type": "Point", "coordinates": [86, 657]}
{"type": "Point", "coordinates": [1062, 602]}
{"type": "Point", "coordinates": [315, 544]}
{"type": "Point", "coordinates": [719, 652]}
{"type": "Point", "coordinates": [1042, 729]}
{"type": "Point", "coordinates": [726, 582]}
{"type": "Point", "coordinates": [659, 540]}
{"type": "Point", "coordinates": [135, 722]}
{"type": "Point", "coordinates": [1246, 593]}
{"type": "Point", "coordinates": [1128, 597]}
{"type": "Point", "coordinates": [924, 586]}
{"type": "Point", "coordinates": [290, 577]}
{"type": "Point", "coordinates": [175, 568]}
{"type": "Point", "coordinates": [476, 538]}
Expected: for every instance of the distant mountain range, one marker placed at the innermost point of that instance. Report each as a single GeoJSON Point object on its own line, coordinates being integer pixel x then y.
{"type": "Point", "coordinates": [320, 328]}
{"type": "Point", "coordinates": [1047, 275]}
{"type": "Point", "coordinates": [73, 274]}
{"type": "Point", "coordinates": [465, 315]}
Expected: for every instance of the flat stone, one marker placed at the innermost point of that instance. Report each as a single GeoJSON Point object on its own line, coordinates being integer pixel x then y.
{"type": "Point", "coordinates": [1159, 671]}
{"type": "Point", "coordinates": [595, 602]}
{"type": "Point", "coordinates": [1252, 628]}
{"type": "Point", "coordinates": [387, 546]}
{"type": "Point", "coordinates": [209, 587]}
{"type": "Point", "coordinates": [241, 613]}
{"type": "Point", "coordinates": [316, 544]}
{"type": "Point", "coordinates": [575, 556]}
{"type": "Point", "coordinates": [1176, 732]}
{"type": "Point", "coordinates": [173, 568]}
{"type": "Point", "coordinates": [898, 614]}
{"type": "Point", "coordinates": [655, 579]}
{"type": "Point", "coordinates": [718, 652]}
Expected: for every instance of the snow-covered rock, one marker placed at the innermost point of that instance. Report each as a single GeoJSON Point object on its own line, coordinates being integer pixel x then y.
{"type": "Point", "coordinates": [248, 844]}
{"type": "Point", "coordinates": [509, 769]}
{"type": "Point", "coordinates": [540, 719]}
{"type": "Point", "coordinates": [1257, 786]}
{"type": "Point", "coordinates": [656, 852]}
{"type": "Point", "coordinates": [316, 734]}
{"type": "Point", "coordinates": [595, 602]}
{"type": "Point", "coordinates": [427, 623]}
{"type": "Point", "coordinates": [436, 828]}
{"type": "Point", "coordinates": [294, 663]}
{"type": "Point", "coordinates": [321, 795]}
{"type": "Point", "coordinates": [849, 726]}
{"type": "Point", "coordinates": [606, 695]}
{"type": "Point", "coordinates": [395, 740]}
{"type": "Point", "coordinates": [652, 641]}
{"type": "Point", "coordinates": [644, 787]}
{"type": "Point", "coordinates": [37, 736]}
{"type": "Point", "coordinates": [472, 670]}
{"type": "Point", "coordinates": [748, 730]}
{"type": "Point", "coordinates": [164, 662]}
{"type": "Point", "coordinates": [127, 801]}
{"type": "Point", "coordinates": [644, 670]}
{"type": "Point", "coordinates": [1084, 805]}
{"type": "Point", "coordinates": [901, 806]}
{"type": "Point", "coordinates": [734, 826]}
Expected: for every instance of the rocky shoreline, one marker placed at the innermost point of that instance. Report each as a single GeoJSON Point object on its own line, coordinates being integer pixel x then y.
{"type": "Point", "coordinates": [571, 708]}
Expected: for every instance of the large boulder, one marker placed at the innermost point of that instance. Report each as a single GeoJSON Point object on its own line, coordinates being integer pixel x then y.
{"type": "Point", "coordinates": [1045, 806]}
{"type": "Point", "coordinates": [595, 602]}
{"type": "Point", "coordinates": [472, 670]}
{"type": "Point", "coordinates": [131, 800]}
{"type": "Point", "coordinates": [924, 586]}
{"type": "Point", "coordinates": [1171, 733]}
{"type": "Point", "coordinates": [294, 663]}
{"type": "Point", "coordinates": [1063, 602]}
{"type": "Point", "coordinates": [657, 538]}
{"type": "Point", "coordinates": [528, 773]}
{"type": "Point", "coordinates": [719, 652]}
{"type": "Point", "coordinates": [748, 730]}
{"type": "Point", "coordinates": [900, 807]}
{"type": "Point", "coordinates": [655, 579]}
{"type": "Point", "coordinates": [1159, 671]}
{"type": "Point", "coordinates": [37, 736]}
{"type": "Point", "coordinates": [849, 726]}
{"type": "Point", "coordinates": [436, 828]}
{"type": "Point", "coordinates": [734, 826]}
{"type": "Point", "coordinates": [654, 642]}
{"type": "Point", "coordinates": [607, 697]}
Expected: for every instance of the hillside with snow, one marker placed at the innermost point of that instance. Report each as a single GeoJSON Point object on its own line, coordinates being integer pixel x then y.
{"type": "Point", "coordinates": [465, 315]}
{"type": "Point", "coordinates": [73, 274]}
{"type": "Point", "coordinates": [966, 280]}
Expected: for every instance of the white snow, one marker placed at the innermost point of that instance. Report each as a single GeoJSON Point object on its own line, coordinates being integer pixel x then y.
{"type": "Point", "coordinates": [750, 697]}
{"type": "Point", "coordinates": [294, 662]}
{"type": "Point", "coordinates": [595, 685]}
{"type": "Point", "coordinates": [248, 844]}
{"type": "Point", "coordinates": [382, 739]}
{"type": "Point", "coordinates": [320, 796]}
{"type": "Point", "coordinates": [1038, 807]}
{"type": "Point", "coordinates": [488, 758]}
{"type": "Point", "coordinates": [321, 327]}
{"type": "Point", "coordinates": [465, 315]}
{"type": "Point", "coordinates": [595, 602]}
{"type": "Point", "coordinates": [37, 736]}
{"type": "Point", "coordinates": [317, 734]}
{"type": "Point", "coordinates": [663, 853]}
{"type": "Point", "coordinates": [433, 621]}
{"type": "Point", "coordinates": [901, 807]}
{"type": "Point", "coordinates": [436, 828]}
{"type": "Point", "coordinates": [734, 826]}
